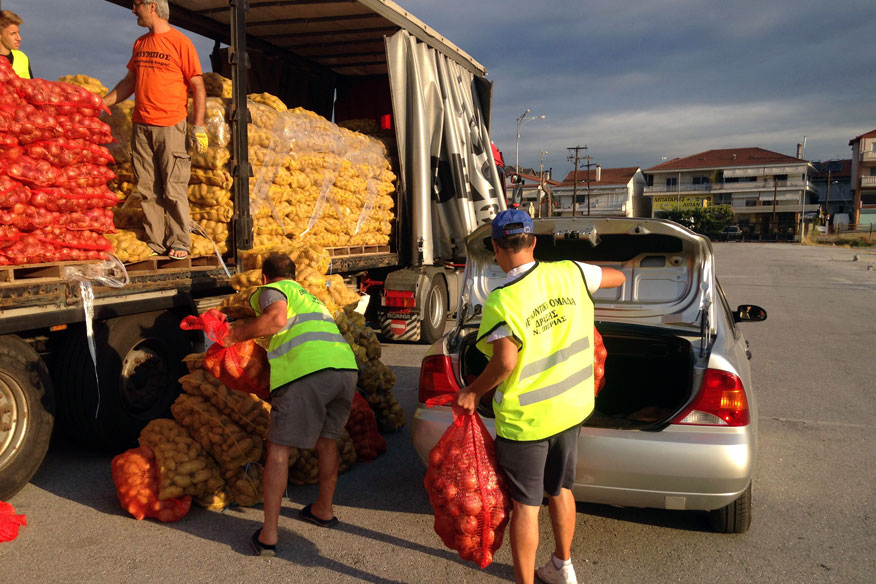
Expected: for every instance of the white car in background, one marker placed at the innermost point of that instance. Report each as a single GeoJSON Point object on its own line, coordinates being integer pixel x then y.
{"type": "Point", "coordinates": [675, 425]}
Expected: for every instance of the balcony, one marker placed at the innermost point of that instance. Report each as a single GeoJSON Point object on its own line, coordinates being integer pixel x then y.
{"type": "Point", "coordinates": [868, 156]}
{"type": "Point", "coordinates": [674, 189]}
{"type": "Point", "coordinates": [868, 181]}
{"type": "Point", "coordinates": [730, 187]}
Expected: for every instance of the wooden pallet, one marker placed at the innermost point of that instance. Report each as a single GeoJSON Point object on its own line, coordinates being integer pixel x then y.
{"type": "Point", "coordinates": [352, 250]}
{"type": "Point", "coordinates": [55, 270]}
{"type": "Point", "coordinates": [168, 263]}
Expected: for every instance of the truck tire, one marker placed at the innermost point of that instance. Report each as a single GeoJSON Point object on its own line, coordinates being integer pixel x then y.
{"type": "Point", "coordinates": [434, 311]}
{"type": "Point", "coordinates": [27, 414]}
{"type": "Point", "coordinates": [735, 517]}
{"type": "Point", "coordinates": [139, 362]}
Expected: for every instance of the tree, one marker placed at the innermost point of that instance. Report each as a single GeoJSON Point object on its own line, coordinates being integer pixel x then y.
{"type": "Point", "coordinates": [708, 221]}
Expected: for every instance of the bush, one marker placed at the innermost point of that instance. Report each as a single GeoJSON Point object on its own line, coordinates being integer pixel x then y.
{"type": "Point", "coordinates": [708, 221]}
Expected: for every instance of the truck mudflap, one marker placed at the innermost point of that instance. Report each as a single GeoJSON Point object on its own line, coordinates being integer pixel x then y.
{"type": "Point", "coordinates": [400, 325]}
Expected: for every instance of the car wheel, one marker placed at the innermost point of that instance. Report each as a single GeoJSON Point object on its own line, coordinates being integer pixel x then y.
{"type": "Point", "coordinates": [434, 312]}
{"type": "Point", "coordinates": [27, 409]}
{"type": "Point", "coordinates": [735, 517]}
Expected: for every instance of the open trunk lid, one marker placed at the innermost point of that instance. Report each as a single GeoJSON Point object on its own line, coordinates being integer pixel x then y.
{"type": "Point", "coordinates": [669, 269]}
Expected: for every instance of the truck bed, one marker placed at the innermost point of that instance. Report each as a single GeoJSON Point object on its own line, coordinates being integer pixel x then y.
{"type": "Point", "coordinates": [36, 295]}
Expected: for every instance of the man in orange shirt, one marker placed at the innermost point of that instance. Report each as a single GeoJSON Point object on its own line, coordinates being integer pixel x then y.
{"type": "Point", "coordinates": [163, 68]}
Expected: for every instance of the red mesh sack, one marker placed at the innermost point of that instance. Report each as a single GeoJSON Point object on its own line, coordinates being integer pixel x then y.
{"type": "Point", "coordinates": [362, 428]}
{"type": "Point", "coordinates": [467, 489]}
{"type": "Point", "coordinates": [135, 474]}
{"type": "Point", "coordinates": [9, 521]}
{"type": "Point", "coordinates": [12, 192]}
{"type": "Point", "coordinates": [599, 354]}
{"type": "Point", "coordinates": [242, 366]}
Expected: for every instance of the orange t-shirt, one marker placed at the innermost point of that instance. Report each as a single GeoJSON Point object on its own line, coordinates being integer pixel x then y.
{"type": "Point", "coordinates": [163, 64]}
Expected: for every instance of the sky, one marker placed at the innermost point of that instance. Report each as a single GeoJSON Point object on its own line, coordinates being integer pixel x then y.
{"type": "Point", "coordinates": [635, 81]}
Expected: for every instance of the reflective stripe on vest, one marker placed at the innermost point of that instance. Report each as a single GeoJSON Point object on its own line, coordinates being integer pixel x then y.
{"type": "Point", "coordinates": [310, 340]}
{"type": "Point", "coordinates": [20, 64]}
{"type": "Point", "coordinates": [550, 313]}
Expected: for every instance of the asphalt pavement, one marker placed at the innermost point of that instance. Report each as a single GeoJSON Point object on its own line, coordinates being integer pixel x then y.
{"type": "Point", "coordinates": [814, 517]}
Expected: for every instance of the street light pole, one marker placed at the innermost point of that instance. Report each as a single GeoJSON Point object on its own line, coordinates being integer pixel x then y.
{"type": "Point", "coordinates": [522, 119]}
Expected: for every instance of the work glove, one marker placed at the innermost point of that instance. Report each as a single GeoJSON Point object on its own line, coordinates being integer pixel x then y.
{"type": "Point", "coordinates": [200, 141]}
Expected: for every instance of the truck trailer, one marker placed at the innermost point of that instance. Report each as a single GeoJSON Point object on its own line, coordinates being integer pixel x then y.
{"type": "Point", "coordinates": [102, 347]}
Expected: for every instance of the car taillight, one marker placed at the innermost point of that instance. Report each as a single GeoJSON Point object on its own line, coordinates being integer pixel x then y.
{"type": "Point", "coordinates": [721, 402]}
{"type": "Point", "coordinates": [399, 299]}
{"type": "Point", "coordinates": [436, 377]}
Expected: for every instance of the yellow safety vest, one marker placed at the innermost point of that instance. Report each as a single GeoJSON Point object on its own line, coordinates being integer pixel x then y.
{"type": "Point", "coordinates": [309, 342]}
{"type": "Point", "coordinates": [20, 64]}
{"type": "Point", "coordinates": [549, 311]}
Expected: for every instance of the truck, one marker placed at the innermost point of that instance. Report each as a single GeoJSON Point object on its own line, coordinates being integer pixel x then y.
{"type": "Point", "coordinates": [106, 356]}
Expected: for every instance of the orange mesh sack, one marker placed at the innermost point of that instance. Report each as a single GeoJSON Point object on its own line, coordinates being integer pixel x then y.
{"type": "Point", "coordinates": [242, 366]}
{"type": "Point", "coordinates": [467, 489]}
{"type": "Point", "coordinates": [362, 427]}
{"type": "Point", "coordinates": [599, 355]}
{"type": "Point", "coordinates": [135, 474]}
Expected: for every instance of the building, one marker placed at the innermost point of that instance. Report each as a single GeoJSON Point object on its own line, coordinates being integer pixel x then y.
{"type": "Point", "coordinates": [863, 214]}
{"type": "Point", "coordinates": [769, 192]}
{"type": "Point", "coordinates": [603, 192]}
{"type": "Point", "coordinates": [833, 183]}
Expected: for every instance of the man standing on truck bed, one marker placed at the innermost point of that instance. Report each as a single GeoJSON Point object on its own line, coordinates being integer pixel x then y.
{"type": "Point", "coordinates": [163, 67]}
{"type": "Point", "coordinates": [10, 41]}
{"type": "Point", "coordinates": [537, 329]}
{"type": "Point", "coordinates": [313, 377]}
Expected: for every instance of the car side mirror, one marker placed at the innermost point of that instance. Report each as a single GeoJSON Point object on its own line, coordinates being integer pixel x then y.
{"type": "Point", "coordinates": [749, 313]}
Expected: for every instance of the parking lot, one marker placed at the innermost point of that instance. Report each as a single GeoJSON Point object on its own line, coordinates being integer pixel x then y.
{"type": "Point", "coordinates": [814, 509]}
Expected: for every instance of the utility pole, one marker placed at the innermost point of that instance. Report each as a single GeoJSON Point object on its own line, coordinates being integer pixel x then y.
{"type": "Point", "coordinates": [775, 188]}
{"type": "Point", "coordinates": [827, 201]}
{"type": "Point", "coordinates": [588, 158]}
{"type": "Point", "coordinates": [576, 158]}
{"type": "Point", "coordinates": [541, 180]}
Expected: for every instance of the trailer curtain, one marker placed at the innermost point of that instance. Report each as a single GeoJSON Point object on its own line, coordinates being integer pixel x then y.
{"type": "Point", "coordinates": [445, 153]}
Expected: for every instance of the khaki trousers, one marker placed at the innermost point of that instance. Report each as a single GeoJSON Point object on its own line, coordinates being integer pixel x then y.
{"type": "Point", "coordinates": [162, 168]}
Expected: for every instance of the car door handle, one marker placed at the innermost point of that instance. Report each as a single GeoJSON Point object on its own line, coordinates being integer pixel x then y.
{"type": "Point", "coordinates": [748, 354]}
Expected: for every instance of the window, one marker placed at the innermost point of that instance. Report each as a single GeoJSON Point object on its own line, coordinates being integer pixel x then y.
{"type": "Point", "coordinates": [873, 171]}
{"type": "Point", "coordinates": [672, 182]}
{"type": "Point", "coordinates": [701, 180]}
{"type": "Point", "coordinates": [780, 177]}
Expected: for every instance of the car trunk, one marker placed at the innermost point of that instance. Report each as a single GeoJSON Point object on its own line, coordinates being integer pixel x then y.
{"type": "Point", "coordinates": [647, 376]}
{"type": "Point", "coordinates": [656, 326]}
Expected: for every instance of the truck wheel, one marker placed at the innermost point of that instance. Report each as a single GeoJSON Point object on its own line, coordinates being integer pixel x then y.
{"type": "Point", "coordinates": [735, 517]}
{"type": "Point", "coordinates": [139, 362]}
{"type": "Point", "coordinates": [434, 311]}
{"type": "Point", "coordinates": [27, 414]}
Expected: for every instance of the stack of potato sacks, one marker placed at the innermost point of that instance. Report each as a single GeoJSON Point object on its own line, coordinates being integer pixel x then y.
{"type": "Point", "coordinates": [313, 181]}
{"type": "Point", "coordinates": [54, 203]}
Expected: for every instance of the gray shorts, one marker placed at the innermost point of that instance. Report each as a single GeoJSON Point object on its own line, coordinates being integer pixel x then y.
{"type": "Point", "coordinates": [313, 407]}
{"type": "Point", "coordinates": [537, 467]}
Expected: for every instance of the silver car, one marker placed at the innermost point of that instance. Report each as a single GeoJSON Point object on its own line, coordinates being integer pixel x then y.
{"type": "Point", "coordinates": [675, 425]}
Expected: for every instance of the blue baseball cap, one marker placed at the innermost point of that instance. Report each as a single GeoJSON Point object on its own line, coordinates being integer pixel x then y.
{"type": "Point", "coordinates": [511, 222]}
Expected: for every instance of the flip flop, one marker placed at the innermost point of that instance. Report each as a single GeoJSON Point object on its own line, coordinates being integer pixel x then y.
{"type": "Point", "coordinates": [260, 548]}
{"type": "Point", "coordinates": [307, 514]}
{"type": "Point", "coordinates": [175, 250]}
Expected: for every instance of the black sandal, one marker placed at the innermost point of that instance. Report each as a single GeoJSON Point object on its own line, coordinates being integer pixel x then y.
{"type": "Point", "coordinates": [307, 514]}
{"type": "Point", "coordinates": [262, 549]}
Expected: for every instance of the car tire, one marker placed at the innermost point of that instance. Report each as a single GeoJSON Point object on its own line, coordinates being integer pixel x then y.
{"type": "Point", "coordinates": [139, 362]}
{"type": "Point", "coordinates": [27, 414]}
{"type": "Point", "coordinates": [434, 311]}
{"type": "Point", "coordinates": [735, 517]}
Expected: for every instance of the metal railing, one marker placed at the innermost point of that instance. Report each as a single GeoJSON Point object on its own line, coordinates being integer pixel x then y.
{"type": "Point", "coordinates": [762, 185]}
